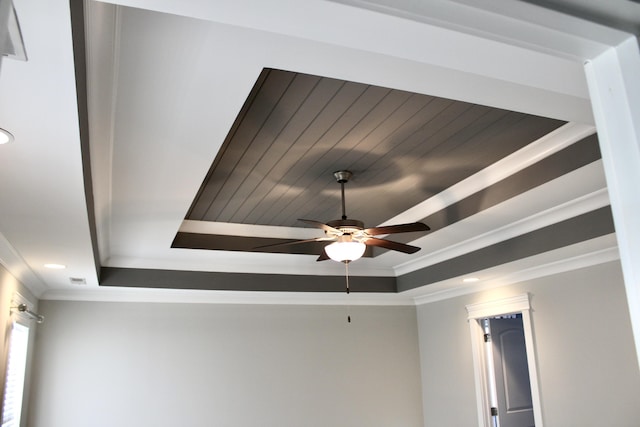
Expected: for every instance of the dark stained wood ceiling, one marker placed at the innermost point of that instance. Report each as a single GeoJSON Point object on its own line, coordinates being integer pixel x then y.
{"type": "Point", "coordinates": [296, 129]}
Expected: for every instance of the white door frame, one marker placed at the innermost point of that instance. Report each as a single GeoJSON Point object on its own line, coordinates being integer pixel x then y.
{"type": "Point", "coordinates": [483, 310]}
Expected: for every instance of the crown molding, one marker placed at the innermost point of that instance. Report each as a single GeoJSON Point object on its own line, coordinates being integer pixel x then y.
{"type": "Point", "coordinates": [112, 294]}
{"type": "Point", "coordinates": [581, 255]}
{"type": "Point", "coordinates": [570, 209]}
{"type": "Point", "coordinates": [585, 254]}
{"type": "Point", "coordinates": [19, 268]}
{"type": "Point", "coordinates": [542, 148]}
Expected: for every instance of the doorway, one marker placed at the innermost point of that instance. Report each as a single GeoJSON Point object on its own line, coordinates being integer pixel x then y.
{"type": "Point", "coordinates": [504, 363]}
{"type": "Point", "coordinates": [509, 386]}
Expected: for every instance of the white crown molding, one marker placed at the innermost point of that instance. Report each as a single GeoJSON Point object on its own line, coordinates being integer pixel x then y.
{"type": "Point", "coordinates": [570, 209]}
{"type": "Point", "coordinates": [496, 19]}
{"type": "Point", "coordinates": [596, 251]}
{"type": "Point", "coordinates": [252, 263]}
{"type": "Point", "coordinates": [532, 153]}
{"type": "Point", "coordinates": [18, 267]}
{"type": "Point", "coordinates": [115, 294]}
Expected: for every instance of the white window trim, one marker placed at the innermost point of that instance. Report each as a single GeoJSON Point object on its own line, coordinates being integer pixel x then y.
{"type": "Point", "coordinates": [512, 305]}
{"type": "Point", "coordinates": [26, 321]}
{"type": "Point", "coordinates": [17, 363]}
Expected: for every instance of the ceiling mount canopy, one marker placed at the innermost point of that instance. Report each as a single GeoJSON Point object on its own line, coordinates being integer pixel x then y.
{"type": "Point", "coordinates": [342, 176]}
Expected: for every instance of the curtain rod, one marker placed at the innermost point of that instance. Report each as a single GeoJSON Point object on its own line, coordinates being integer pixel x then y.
{"type": "Point", "coordinates": [22, 308]}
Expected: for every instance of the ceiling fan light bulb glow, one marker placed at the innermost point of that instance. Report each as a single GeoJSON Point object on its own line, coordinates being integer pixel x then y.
{"type": "Point", "coordinates": [345, 251]}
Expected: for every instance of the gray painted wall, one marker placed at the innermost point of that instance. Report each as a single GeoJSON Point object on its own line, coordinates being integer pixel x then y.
{"type": "Point", "coordinates": [587, 369]}
{"type": "Point", "coordinates": [146, 364]}
{"type": "Point", "coordinates": [137, 364]}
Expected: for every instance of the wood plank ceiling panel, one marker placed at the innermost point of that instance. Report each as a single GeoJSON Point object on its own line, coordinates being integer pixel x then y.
{"type": "Point", "coordinates": [320, 161]}
{"type": "Point", "coordinates": [351, 134]}
{"type": "Point", "coordinates": [291, 179]}
{"type": "Point", "coordinates": [256, 110]}
{"type": "Point", "coordinates": [294, 169]}
{"type": "Point", "coordinates": [264, 147]}
{"type": "Point", "coordinates": [294, 130]}
{"type": "Point", "coordinates": [295, 140]}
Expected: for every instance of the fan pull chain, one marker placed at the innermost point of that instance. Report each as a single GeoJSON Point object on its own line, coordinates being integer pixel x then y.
{"type": "Point", "coordinates": [346, 267]}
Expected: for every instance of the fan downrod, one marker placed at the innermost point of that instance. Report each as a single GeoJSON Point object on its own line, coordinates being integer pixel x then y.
{"type": "Point", "coordinates": [343, 177]}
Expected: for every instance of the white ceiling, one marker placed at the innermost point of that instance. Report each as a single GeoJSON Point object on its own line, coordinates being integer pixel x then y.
{"type": "Point", "coordinates": [167, 78]}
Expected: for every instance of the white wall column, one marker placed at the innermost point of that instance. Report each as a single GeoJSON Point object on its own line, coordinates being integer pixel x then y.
{"type": "Point", "coordinates": [614, 86]}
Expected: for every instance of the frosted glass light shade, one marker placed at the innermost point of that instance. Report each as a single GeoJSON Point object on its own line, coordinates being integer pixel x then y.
{"type": "Point", "coordinates": [345, 251]}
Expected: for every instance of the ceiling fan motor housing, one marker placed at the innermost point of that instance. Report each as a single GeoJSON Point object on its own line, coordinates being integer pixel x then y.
{"type": "Point", "coordinates": [347, 226]}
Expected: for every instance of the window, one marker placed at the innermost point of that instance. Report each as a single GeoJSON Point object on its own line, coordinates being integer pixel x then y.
{"type": "Point", "coordinates": [16, 369]}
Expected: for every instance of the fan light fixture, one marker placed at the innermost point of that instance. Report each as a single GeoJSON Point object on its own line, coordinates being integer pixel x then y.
{"type": "Point", "coordinates": [345, 251]}
{"type": "Point", "coordinates": [349, 239]}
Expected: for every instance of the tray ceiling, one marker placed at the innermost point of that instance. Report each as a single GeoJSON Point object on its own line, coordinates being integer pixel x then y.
{"type": "Point", "coordinates": [295, 129]}
{"type": "Point", "coordinates": [187, 133]}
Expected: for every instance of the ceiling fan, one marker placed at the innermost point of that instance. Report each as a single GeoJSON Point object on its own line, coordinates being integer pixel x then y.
{"type": "Point", "coordinates": [349, 238]}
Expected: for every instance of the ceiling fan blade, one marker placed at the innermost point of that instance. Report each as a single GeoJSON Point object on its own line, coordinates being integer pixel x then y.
{"type": "Point", "coordinates": [323, 256]}
{"type": "Point", "coordinates": [294, 242]}
{"type": "Point", "coordinates": [399, 228]}
{"type": "Point", "coordinates": [321, 225]}
{"type": "Point", "coordinates": [394, 246]}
